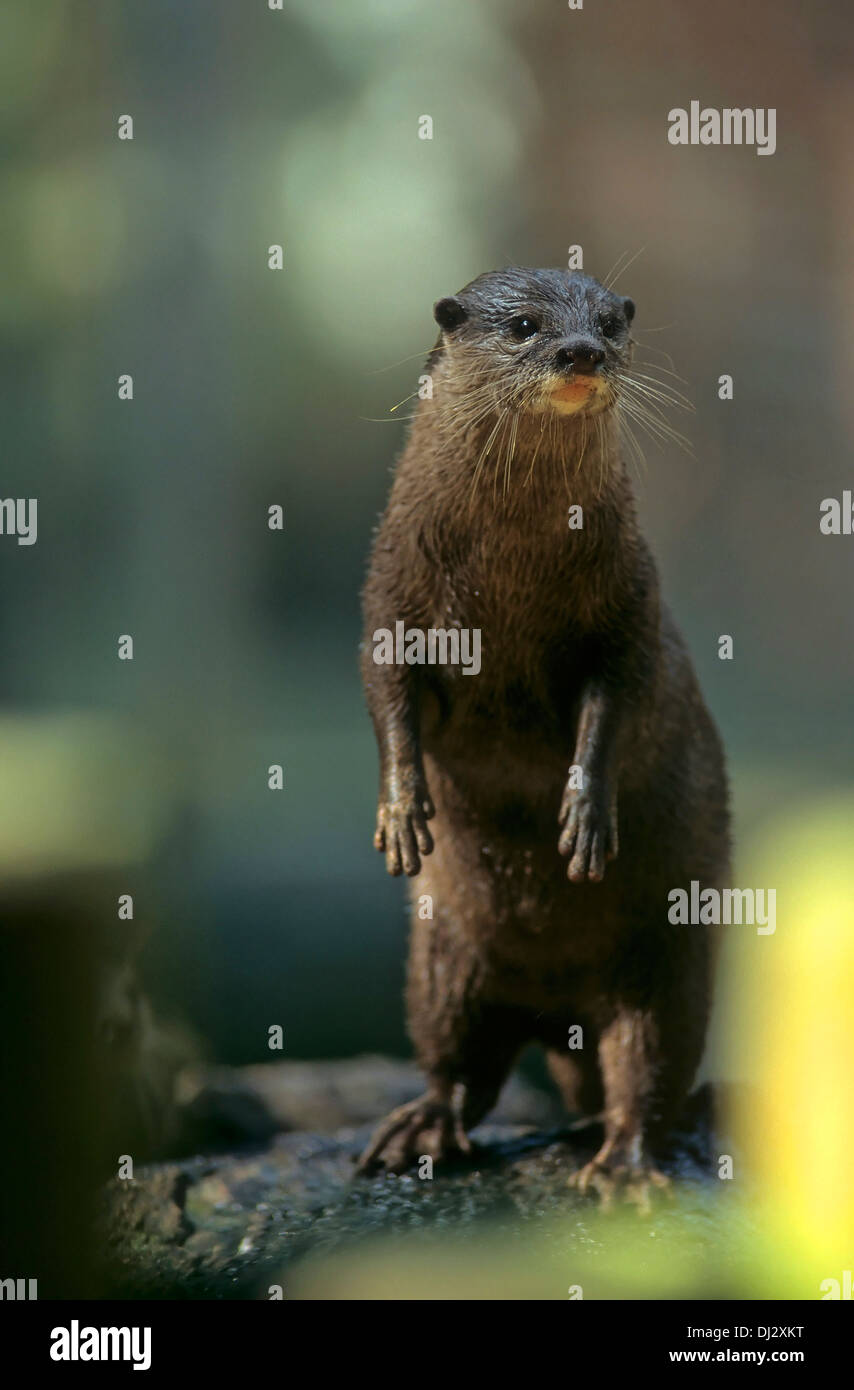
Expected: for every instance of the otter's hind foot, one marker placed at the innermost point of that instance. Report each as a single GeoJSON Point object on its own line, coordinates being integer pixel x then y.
{"type": "Point", "coordinates": [614, 1176]}
{"type": "Point", "coordinates": [426, 1127]}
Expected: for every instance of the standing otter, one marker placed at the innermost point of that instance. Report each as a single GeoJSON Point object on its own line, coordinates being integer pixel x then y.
{"type": "Point", "coordinates": [584, 735]}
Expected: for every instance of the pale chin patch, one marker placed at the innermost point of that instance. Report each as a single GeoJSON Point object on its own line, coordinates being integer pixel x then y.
{"type": "Point", "coordinates": [588, 395]}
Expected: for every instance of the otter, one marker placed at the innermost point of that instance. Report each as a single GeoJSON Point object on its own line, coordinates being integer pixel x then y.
{"type": "Point", "coordinates": [543, 808]}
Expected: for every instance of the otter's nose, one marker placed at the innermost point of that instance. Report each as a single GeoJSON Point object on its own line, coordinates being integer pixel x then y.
{"type": "Point", "coordinates": [579, 355]}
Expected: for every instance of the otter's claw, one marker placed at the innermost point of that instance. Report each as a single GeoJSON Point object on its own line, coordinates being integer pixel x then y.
{"type": "Point", "coordinates": [424, 1127]}
{"type": "Point", "coordinates": [589, 836]}
{"type": "Point", "coordinates": [402, 833]}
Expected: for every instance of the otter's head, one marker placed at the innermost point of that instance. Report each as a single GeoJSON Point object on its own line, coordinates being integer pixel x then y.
{"type": "Point", "coordinates": [538, 340]}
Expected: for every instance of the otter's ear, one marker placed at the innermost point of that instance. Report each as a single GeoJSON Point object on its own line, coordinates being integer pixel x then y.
{"type": "Point", "coordinates": [629, 309]}
{"type": "Point", "coordinates": [449, 313]}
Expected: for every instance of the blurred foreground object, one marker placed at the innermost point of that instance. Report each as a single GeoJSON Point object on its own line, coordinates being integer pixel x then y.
{"type": "Point", "coordinates": [794, 1019]}
{"type": "Point", "coordinates": [77, 821]}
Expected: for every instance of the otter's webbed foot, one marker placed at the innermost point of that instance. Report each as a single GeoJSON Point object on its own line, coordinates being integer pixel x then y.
{"type": "Point", "coordinates": [618, 1173]}
{"type": "Point", "coordinates": [425, 1127]}
{"type": "Point", "coordinates": [589, 836]}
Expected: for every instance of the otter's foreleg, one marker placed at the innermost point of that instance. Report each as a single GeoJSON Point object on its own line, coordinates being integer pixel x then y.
{"type": "Point", "coordinates": [588, 811]}
{"type": "Point", "coordinates": [404, 805]}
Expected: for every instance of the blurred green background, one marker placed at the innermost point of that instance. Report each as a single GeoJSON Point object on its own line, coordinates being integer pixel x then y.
{"type": "Point", "coordinates": [253, 387]}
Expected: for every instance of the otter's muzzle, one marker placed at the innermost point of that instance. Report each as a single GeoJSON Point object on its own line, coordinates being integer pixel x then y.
{"type": "Point", "coordinates": [579, 355]}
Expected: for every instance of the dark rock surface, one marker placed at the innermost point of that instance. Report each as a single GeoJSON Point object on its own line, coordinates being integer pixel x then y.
{"type": "Point", "coordinates": [231, 1225]}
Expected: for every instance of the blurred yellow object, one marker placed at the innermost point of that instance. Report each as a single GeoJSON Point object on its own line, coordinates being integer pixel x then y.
{"type": "Point", "coordinates": [793, 1001]}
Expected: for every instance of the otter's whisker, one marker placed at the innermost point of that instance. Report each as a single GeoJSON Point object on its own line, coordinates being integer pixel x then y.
{"type": "Point", "coordinates": [504, 418]}
{"type": "Point", "coordinates": [410, 397]}
{"type": "Point", "coordinates": [657, 367]}
{"type": "Point", "coordinates": [623, 268]}
{"type": "Point", "coordinates": [659, 393]}
{"type": "Point", "coordinates": [384, 419]}
{"type": "Point", "coordinates": [422, 354]}
{"type": "Point", "coordinates": [648, 405]}
{"type": "Point", "coordinates": [660, 389]}
{"type": "Point", "coordinates": [606, 282]}
{"type": "Point", "coordinates": [536, 451]}
{"type": "Point", "coordinates": [600, 432]}
{"type": "Point", "coordinates": [485, 451]}
{"type": "Point", "coordinates": [657, 428]}
{"type": "Point", "coordinates": [514, 427]}
{"type": "Point", "coordinates": [583, 443]}
{"type": "Point", "coordinates": [560, 449]}
{"type": "Point", "coordinates": [635, 450]}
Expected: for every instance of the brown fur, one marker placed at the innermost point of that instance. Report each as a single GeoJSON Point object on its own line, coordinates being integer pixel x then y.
{"type": "Point", "coordinates": [581, 664]}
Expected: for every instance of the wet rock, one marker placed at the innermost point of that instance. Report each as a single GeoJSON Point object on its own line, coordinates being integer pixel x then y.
{"type": "Point", "coordinates": [234, 1224]}
{"type": "Point", "coordinates": [154, 1204]}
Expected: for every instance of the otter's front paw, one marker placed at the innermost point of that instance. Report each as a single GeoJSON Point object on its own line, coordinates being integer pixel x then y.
{"type": "Point", "coordinates": [402, 834]}
{"type": "Point", "coordinates": [589, 836]}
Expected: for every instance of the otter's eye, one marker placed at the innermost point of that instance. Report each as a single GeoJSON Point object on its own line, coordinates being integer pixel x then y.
{"type": "Point", "coordinates": [610, 326]}
{"type": "Point", "coordinates": [524, 327]}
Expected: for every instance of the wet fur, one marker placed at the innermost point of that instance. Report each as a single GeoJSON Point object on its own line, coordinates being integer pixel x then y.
{"type": "Point", "coordinates": [581, 662]}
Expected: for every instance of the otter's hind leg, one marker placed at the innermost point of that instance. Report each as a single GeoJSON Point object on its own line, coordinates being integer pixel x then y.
{"type": "Point", "coordinates": [577, 1077]}
{"type": "Point", "coordinates": [650, 1044]}
{"type": "Point", "coordinates": [465, 1045]}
